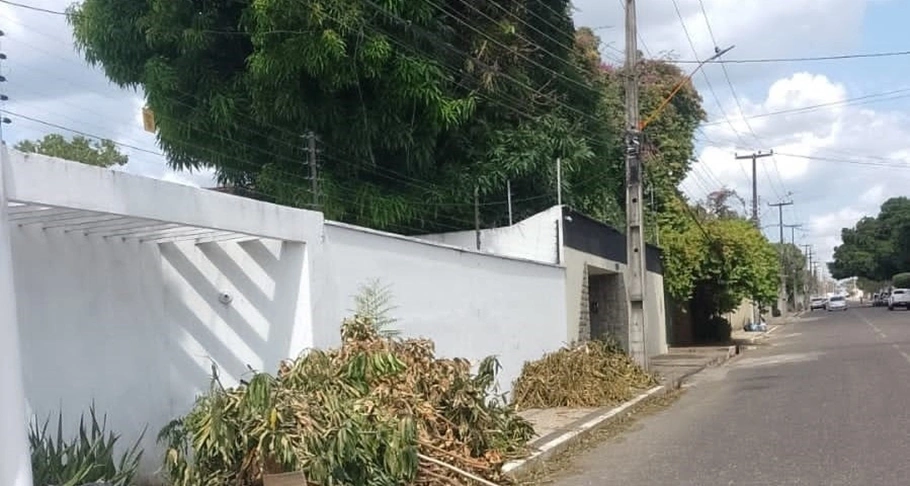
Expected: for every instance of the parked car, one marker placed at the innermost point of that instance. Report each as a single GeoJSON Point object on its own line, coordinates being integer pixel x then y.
{"type": "Point", "coordinates": [899, 298]}
{"type": "Point", "coordinates": [837, 302]}
{"type": "Point", "coordinates": [817, 303]}
{"type": "Point", "coordinates": [880, 300]}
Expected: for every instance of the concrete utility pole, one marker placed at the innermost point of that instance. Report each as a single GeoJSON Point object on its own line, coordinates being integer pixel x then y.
{"type": "Point", "coordinates": [635, 242]}
{"type": "Point", "coordinates": [754, 156]}
{"type": "Point", "coordinates": [782, 294]}
{"type": "Point", "coordinates": [793, 228]}
{"type": "Point", "coordinates": [756, 317]}
{"type": "Point", "coordinates": [809, 284]}
{"type": "Point", "coordinates": [790, 264]}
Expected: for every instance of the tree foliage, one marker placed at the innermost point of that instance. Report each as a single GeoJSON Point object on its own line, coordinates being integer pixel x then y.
{"type": "Point", "coordinates": [901, 280]}
{"type": "Point", "coordinates": [715, 262]}
{"type": "Point", "coordinates": [101, 153]}
{"type": "Point", "coordinates": [876, 248]}
{"type": "Point", "coordinates": [416, 103]}
{"type": "Point", "coordinates": [795, 271]}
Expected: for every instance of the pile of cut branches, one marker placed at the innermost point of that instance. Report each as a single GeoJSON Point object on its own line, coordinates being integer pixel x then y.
{"type": "Point", "coordinates": [591, 374]}
{"type": "Point", "coordinates": [376, 411]}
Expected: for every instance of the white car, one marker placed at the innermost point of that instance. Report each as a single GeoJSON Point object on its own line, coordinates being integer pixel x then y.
{"type": "Point", "coordinates": [818, 303]}
{"type": "Point", "coordinates": [837, 302]}
{"type": "Point", "coordinates": [899, 298]}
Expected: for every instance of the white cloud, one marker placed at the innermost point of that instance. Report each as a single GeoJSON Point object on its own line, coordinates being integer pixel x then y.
{"type": "Point", "coordinates": [823, 156]}
{"type": "Point", "coordinates": [873, 196]}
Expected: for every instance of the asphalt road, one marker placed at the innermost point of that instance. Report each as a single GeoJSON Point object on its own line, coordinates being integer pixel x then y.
{"type": "Point", "coordinates": [827, 402]}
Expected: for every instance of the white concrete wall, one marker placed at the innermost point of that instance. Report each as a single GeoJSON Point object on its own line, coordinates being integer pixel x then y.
{"type": "Point", "coordinates": [93, 327]}
{"type": "Point", "coordinates": [534, 238]}
{"type": "Point", "coordinates": [472, 305]}
{"type": "Point", "coordinates": [136, 327]}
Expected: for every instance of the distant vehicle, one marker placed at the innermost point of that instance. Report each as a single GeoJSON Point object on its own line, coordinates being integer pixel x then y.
{"type": "Point", "coordinates": [836, 302]}
{"type": "Point", "coordinates": [817, 303]}
{"type": "Point", "coordinates": [899, 298]}
{"type": "Point", "coordinates": [879, 300]}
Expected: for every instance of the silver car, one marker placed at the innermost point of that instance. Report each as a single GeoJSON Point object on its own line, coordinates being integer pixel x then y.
{"type": "Point", "coordinates": [837, 302]}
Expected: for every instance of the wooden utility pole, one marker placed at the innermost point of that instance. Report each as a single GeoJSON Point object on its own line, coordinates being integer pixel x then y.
{"type": "Point", "coordinates": [782, 293]}
{"type": "Point", "coordinates": [635, 242]}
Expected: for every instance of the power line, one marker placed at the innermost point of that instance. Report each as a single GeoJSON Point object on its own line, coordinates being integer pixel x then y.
{"type": "Point", "coordinates": [769, 60]}
{"type": "Point", "coordinates": [895, 94]}
{"type": "Point", "coordinates": [716, 98]}
{"type": "Point", "coordinates": [31, 7]}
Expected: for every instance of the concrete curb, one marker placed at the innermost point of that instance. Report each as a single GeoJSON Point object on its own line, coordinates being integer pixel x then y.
{"type": "Point", "coordinates": [676, 382]}
{"type": "Point", "coordinates": [756, 337]}
{"type": "Point", "coordinates": [526, 466]}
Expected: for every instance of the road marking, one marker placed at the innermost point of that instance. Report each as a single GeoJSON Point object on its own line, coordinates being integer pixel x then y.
{"type": "Point", "coordinates": [873, 326]}
{"type": "Point", "coordinates": [775, 360]}
{"type": "Point", "coordinates": [883, 336]}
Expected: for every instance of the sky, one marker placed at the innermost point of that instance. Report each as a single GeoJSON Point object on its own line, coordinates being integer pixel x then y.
{"type": "Point", "coordinates": [836, 162]}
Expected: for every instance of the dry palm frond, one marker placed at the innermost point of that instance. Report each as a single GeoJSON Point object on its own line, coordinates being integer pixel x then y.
{"type": "Point", "coordinates": [592, 374]}
{"type": "Point", "coordinates": [367, 413]}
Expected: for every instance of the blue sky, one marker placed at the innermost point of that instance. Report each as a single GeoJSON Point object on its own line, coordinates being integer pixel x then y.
{"type": "Point", "coordinates": [849, 157]}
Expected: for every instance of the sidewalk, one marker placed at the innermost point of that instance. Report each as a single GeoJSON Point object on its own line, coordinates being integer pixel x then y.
{"type": "Point", "coordinates": [558, 428]}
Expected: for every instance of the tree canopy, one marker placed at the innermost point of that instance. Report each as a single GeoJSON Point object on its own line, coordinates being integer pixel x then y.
{"type": "Point", "coordinates": [714, 258]}
{"type": "Point", "coordinates": [876, 248]}
{"type": "Point", "coordinates": [795, 270]}
{"type": "Point", "coordinates": [416, 103]}
{"type": "Point", "coordinates": [102, 153]}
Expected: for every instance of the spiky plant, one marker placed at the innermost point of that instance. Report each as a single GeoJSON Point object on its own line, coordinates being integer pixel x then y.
{"type": "Point", "coordinates": [374, 303]}
{"type": "Point", "coordinates": [88, 457]}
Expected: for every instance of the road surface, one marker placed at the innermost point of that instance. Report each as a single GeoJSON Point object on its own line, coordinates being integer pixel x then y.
{"type": "Point", "coordinates": [826, 403]}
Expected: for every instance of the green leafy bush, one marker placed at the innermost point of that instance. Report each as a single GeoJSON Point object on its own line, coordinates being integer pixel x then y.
{"type": "Point", "coordinates": [89, 457]}
{"type": "Point", "coordinates": [901, 280]}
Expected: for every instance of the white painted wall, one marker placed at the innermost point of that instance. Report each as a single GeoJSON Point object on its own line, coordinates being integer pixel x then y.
{"type": "Point", "coordinates": [136, 327]}
{"type": "Point", "coordinates": [15, 461]}
{"type": "Point", "coordinates": [472, 305]}
{"type": "Point", "coordinates": [534, 238]}
{"type": "Point", "coordinates": [93, 327]}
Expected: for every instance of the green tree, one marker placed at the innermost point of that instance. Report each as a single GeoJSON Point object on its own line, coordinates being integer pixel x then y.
{"type": "Point", "coordinates": [713, 263]}
{"type": "Point", "coordinates": [416, 103]}
{"type": "Point", "coordinates": [877, 247]}
{"type": "Point", "coordinates": [103, 153]}
{"type": "Point", "coordinates": [795, 270]}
